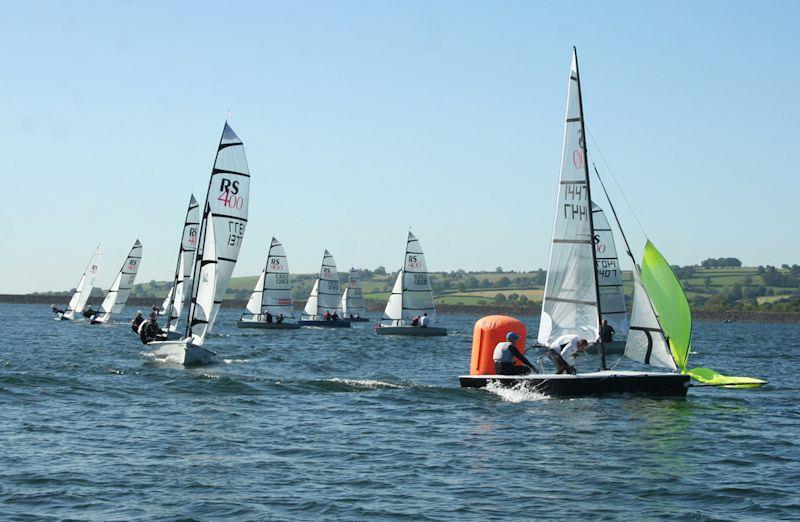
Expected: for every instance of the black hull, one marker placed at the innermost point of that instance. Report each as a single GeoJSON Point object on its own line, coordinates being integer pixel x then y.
{"type": "Point", "coordinates": [326, 324]}
{"type": "Point", "coordinates": [412, 331]}
{"type": "Point", "coordinates": [267, 326]}
{"type": "Point", "coordinates": [590, 384]}
{"type": "Point", "coordinates": [359, 320]}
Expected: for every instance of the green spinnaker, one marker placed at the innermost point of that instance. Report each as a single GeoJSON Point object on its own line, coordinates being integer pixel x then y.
{"type": "Point", "coordinates": [669, 300]}
{"type": "Point", "coordinates": [675, 316]}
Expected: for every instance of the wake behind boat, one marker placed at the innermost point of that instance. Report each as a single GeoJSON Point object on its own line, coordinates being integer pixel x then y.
{"type": "Point", "coordinates": [410, 310]}
{"type": "Point", "coordinates": [323, 306]}
{"type": "Point", "coordinates": [221, 233]}
{"type": "Point", "coordinates": [271, 305]}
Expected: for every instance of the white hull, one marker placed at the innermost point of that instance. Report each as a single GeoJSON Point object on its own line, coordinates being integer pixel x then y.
{"type": "Point", "coordinates": [181, 352]}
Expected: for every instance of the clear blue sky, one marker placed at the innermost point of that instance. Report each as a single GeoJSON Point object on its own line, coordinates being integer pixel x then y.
{"type": "Point", "coordinates": [361, 119]}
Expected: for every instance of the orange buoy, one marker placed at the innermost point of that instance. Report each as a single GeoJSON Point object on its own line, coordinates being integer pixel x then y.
{"type": "Point", "coordinates": [489, 331]}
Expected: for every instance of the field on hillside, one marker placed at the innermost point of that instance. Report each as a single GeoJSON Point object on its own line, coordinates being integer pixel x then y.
{"type": "Point", "coordinates": [746, 288]}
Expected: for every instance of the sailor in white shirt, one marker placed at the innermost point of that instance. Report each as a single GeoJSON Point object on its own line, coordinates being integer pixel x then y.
{"type": "Point", "coordinates": [563, 351]}
{"type": "Point", "coordinates": [424, 320]}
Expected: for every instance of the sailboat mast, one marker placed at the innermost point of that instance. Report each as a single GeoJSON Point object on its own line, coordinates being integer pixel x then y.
{"type": "Point", "coordinates": [602, 349]}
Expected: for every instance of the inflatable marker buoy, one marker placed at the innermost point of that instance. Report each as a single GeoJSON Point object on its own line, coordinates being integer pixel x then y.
{"type": "Point", "coordinates": [489, 331]}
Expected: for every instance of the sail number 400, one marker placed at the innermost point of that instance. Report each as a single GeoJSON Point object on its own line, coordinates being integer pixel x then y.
{"type": "Point", "coordinates": [235, 233]}
{"type": "Point", "coordinates": [231, 200]}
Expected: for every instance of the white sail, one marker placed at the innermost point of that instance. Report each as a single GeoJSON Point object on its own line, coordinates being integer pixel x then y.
{"type": "Point", "coordinates": [254, 303]}
{"type": "Point", "coordinates": [173, 304]}
{"type": "Point", "coordinates": [352, 298]}
{"type": "Point", "coordinates": [204, 304]}
{"type": "Point", "coordinates": [277, 296]}
{"type": "Point", "coordinates": [227, 203]}
{"type": "Point", "coordinates": [311, 305]}
{"type": "Point", "coordinates": [570, 296]}
{"type": "Point", "coordinates": [326, 294]}
{"type": "Point", "coordinates": [118, 294]}
{"type": "Point", "coordinates": [394, 307]}
{"type": "Point", "coordinates": [646, 342]}
{"type": "Point", "coordinates": [609, 274]}
{"type": "Point", "coordinates": [412, 295]}
{"type": "Point", "coordinates": [85, 284]}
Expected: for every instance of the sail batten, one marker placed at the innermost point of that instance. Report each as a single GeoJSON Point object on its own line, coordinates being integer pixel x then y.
{"type": "Point", "coordinates": [225, 217]}
{"type": "Point", "coordinates": [412, 294]}
{"type": "Point", "coordinates": [571, 297]}
{"type": "Point", "coordinates": [117, 295]}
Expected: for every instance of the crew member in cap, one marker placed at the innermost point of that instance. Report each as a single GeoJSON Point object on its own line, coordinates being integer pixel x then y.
{"type": "Point", "coordinates": [504, 355]}
{"type": "Point", "coordinates": [137, 321]}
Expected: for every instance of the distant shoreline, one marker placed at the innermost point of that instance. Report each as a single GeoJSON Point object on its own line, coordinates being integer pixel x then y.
{"type": "Point", "coordinates": [477, 310]}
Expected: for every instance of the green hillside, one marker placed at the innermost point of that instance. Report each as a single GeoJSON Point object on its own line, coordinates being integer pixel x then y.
{"type": "Point", "coordinates": [714, 289]}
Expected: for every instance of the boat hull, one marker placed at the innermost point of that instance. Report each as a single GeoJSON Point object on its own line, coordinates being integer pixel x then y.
{"type": "Point", "coordinates": [359, 320]}
{"type": "Point", "coordinates": [182, 352]}
{"type": "Point", "coordinates": [650, 384]}
{"type": "Point", "coordinates": [267, 326]}
{"type": "Point", "coordinates": [412, 331]}
{"type": "Point", "coordinates": [326, 324]}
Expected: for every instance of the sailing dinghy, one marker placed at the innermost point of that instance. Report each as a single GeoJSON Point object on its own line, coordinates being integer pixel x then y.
{"type": "Point", "coordinates": [221, 231]}
{"type": "Point", "coordinates": [121, 288]}
{"type": "Point", "coordinates": [660, 327]}
{"type": "Point", "coordinates": [411, 297]}
{"type": "Point", "coordinates": [82, 291]}
{"type": "Point", "coordinates": [173, 304]}
{"type": "Point", "coordinates": [325, 297]}
{"type": "Point", "coordinates": [270, 305]}
{"type": "Point", "coordinates": [353, 299]}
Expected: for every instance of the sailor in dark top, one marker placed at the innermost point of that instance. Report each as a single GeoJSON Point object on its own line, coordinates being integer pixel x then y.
{"type": "Point", "coordinates": [150, 331]}
{"type": "Point", "coordinates": [56, 310]}
{"type": "Point", "coordinates": [606, 332]}
{"type": "Point", "coordinates": [137, 322]}
{"type": "Point", "coordinates": [504, 355]}
{"type": "Point", "coordinates": [88, 312]}
{"type": "Point", "coordinates": [335, 316]}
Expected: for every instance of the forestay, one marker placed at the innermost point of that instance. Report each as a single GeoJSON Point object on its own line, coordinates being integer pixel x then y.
{"type": "Point", "coordinates": [173, 304]}
{"type": "Point", "coordinates": [227, 204]}
{"type": "Point", "coordinates": [85, 284]}
{"type": "Point", "coordinates": [117, 296]}
{"type": "Point", "coordinates": [570, 297]}
{"type": "Point", "coordinates": [353, 299]}
{"type": "Point", "coordinates": [609, 274]}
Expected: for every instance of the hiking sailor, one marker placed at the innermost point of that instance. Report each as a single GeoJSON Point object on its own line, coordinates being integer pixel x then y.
{"type": "Point", "coordinates": [137, 321]}
{"type": "Point", "coordinates": [563, 352]}
{"type": "Point", "coordinates": [504, 355]}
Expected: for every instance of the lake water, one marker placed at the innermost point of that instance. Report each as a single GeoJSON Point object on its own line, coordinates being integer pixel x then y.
{"type": "Point", "coordinates": [342, 424]}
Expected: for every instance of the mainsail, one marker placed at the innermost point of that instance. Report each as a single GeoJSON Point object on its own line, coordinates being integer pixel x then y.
{"type": "Point", "coordinates": [326, 295]}
{"type": "Point", "coordinates": [84, 288]}
{"type": "Point", "coordinates": [273, 291]}
{"type": "Point", "coordinates": [609, 274]}
{"type": "Point", "coordinates": [173, 304]}
{"type": "Point", "coordinates": [412, 295]}
{"type": "Point", "coordinates": [570, 303]}
{"type": "Point", "coordinates": [224, 219]}
{"type": "Point", "coordinates": [353, 299]}
{"type": "Point", "coordinates": [118, 294]}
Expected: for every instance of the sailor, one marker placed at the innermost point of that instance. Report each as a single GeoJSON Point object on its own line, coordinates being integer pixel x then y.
{"type": "Point", "coordinates": [56, 310]}
{"type": "Point", "coordinates": [606, 332]}
{"type": "Point", "coordinates": [88, 312]}
{"type": "Point", "coordinates": [137, 321]}
{"type": "Point", "coordinates": [150, 331]}
{"type": "Point", "coordinates": [415, 321]}
{"type": "Point", "coordinates": [423, 321]}
{"type": "Point", "coordinates": [358, 316]}
{"type": "Point", "coordinates": [269, 318]}
{"type": "Point", "coordinates": [335, 316]}
{"type": "Point", "coordinates": [279, 320]}
{"type": "Point", "coordinates": [504, 355]}
{"type": "Point", "coordinates": [327, 315]}
{"type": "Point", "coordinates": [563, 352]}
